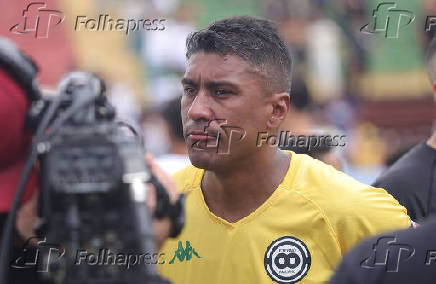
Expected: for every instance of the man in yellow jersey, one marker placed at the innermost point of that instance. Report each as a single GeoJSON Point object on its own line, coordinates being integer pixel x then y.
{"type": "Point", "coordinates": [254, 213]}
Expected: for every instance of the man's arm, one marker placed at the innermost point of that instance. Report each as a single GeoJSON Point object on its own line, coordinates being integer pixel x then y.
{"type": "Point", "coordinates": [366, 212]}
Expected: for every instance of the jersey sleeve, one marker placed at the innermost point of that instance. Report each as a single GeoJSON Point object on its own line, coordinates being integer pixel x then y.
{"type": "Point", "coordinates": [369, 211]}
{"type": "Point", "coordinates": [353, 210]}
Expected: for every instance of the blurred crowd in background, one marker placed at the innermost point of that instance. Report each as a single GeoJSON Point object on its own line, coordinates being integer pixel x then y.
{"type": "Point", "coordinates": [368, 87]}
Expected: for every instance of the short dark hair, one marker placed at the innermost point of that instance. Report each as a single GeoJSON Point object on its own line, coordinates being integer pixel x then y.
{"type": "Point", "coordinates": [254, 40]}
{"type": "Point", "coordinates": [431, 60]}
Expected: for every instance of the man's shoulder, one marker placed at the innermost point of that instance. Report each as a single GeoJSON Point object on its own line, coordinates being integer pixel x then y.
{"type": "Point", "coordinates": [315, 178]}
{"type": "Point", "coordinates": [188, 178]}
{"type": "Point", "coordinates": [324, 182]}
{"type": "Point", "coordinates": [346, 203]}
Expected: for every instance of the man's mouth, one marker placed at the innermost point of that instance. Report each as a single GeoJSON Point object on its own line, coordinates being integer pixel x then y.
{"type": "Point", "coordinates": [202, 140]}
{"type": "Point", "coordinates": [201, 135]}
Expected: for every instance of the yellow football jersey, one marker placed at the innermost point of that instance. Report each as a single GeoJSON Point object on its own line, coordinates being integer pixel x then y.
{"type": "Point", "coordinates": [299, 233]}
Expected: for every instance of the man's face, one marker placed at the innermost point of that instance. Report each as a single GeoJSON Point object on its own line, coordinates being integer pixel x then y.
{"type": "Point", "coordinates": [223, 109]}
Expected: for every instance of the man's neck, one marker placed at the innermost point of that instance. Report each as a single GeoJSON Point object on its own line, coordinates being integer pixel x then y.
{"type": "Point", "coordinates": [237, 192]}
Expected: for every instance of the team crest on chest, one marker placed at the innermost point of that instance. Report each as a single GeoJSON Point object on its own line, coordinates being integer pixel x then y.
{"type": "Point", "coordinates": [287, 260]}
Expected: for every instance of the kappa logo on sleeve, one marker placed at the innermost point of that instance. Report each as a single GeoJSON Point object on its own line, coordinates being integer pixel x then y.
{"type": "Point", "coordinates": [287, 260]}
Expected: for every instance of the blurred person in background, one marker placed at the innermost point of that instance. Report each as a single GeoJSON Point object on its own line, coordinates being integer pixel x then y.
{"type": "Point", "coordinates": [411, 179]}
{"type": "Point", "coordinates": [401, 257]}
{"type": "Point", "coordinates": [394, 157]}
{"type": "Point", "coordinates": [299, 121]}
{"type": "Point", "coordinates": [17, 74]}
{"type": "Point", "coordinates": [177, 156]}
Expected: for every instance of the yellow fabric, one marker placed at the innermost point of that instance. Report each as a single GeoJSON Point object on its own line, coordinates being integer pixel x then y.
{"type": "Point", "coordinates": [323, 208]}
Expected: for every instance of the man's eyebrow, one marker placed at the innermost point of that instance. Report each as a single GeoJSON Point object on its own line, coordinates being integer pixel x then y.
{"type": "Point", "coordinates": [210, 85]}
{"type": "Point", "coordinates": [216, 84]}
{"type": "Point", "coordinates": [187, 81]}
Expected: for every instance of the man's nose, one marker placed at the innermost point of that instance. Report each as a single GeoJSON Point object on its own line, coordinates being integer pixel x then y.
{"type": "Point", "coordinates": [200, 108]}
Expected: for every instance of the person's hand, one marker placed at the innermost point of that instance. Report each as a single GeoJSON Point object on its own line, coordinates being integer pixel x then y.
{"type": "Point", "coordinates": [161, 227]}
{"type": "Point", "coordinates": [27, 217]}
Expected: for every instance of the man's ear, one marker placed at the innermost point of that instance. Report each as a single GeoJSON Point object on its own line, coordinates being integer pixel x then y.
{"type": "Point", "coordinates": [280, 106]}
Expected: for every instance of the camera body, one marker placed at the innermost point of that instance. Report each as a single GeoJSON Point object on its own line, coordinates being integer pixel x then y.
{"type": "Point", "coordinates": [93, 191]}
